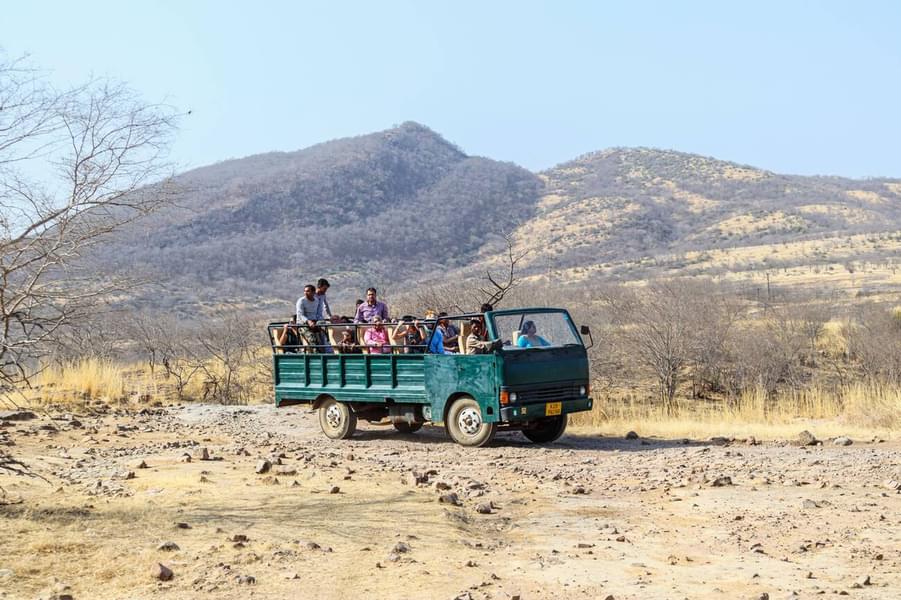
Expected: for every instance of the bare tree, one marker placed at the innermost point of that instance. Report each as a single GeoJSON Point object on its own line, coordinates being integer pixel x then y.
{"type": "Point", "coordinates": [498, 286]}
{"type": "Point", "coordinates": [75, 165]}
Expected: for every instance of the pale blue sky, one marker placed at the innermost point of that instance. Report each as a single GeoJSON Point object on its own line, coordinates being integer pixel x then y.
{"type": "Point", "coordinates": [800, 87]}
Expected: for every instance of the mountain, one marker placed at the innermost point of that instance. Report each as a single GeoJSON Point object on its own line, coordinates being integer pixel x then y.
{"type": "Point", "coordinates": [406, 206]}
{"type": "Point", "coordinates": [638, 213]}
{"type": "Point", "coordinates": [393, 205]}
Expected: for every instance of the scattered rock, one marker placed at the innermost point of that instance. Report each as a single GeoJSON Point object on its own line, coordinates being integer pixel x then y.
{"type": "Point", "coordinates": [140, 465]}
{"type": "Point", "coordinates": [202, 454]}
{"type": "Point", "coordinates": [861, 582]}
{"type": "Point", "coordinates": [334, 490]}
{"type": "Point", "coordinates": [722, 481]}
{"type": "Point", "coordinates": [451, 498]}
{"type": "Point", "coordinates": [182, 526]}
{"type": "Point", "coordinates": [17, 415]}
{"type": "Point", "coordinates": [185, 458]}
{"type": "Point", "coordinates": [809, 504]}
{"type": "Point", "coordinates": [245, 579]}
{"type": "Point", "coordinates": [286, 472]}
{"type": "Point", "coordinates": [239, 537]}
{"type": "Point", "coordinates": [263, 466]}
{"type": "Point", "coordinates": [484, 508]}
{"type": "Point", "coordinates": [720, 440]}
{"type": "Point", "coordinates": [892, 484]}
{"type": "Point", "coordinates": [631, 435]}
{"type": "Point", "coordinates": [161, 572]}
{"type": "Point", "coordinates": [805, 438]}
{"type": "Point", "coordinates": [401, 548]}
{"type": "Point", "coordinates": [842, 441]}
{"type": "Point", "coordinates": [168, 547]}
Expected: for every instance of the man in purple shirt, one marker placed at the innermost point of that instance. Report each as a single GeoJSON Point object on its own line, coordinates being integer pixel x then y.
{"type": "Point", "coordinates": [371, 308]}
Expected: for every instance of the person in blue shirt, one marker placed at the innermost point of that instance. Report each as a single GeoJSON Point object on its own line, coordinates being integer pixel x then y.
{"type": "Point", "coordinates": [529, 338]}
{"type": "Point", "coordinates": [436, 343]}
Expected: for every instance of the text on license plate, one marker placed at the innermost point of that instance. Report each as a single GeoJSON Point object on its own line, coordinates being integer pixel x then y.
{"type": "Point", "coordinates": [553, 408]}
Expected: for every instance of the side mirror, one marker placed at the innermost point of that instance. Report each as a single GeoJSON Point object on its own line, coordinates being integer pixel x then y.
{"type": "Point", "coordinates": [586, 330]}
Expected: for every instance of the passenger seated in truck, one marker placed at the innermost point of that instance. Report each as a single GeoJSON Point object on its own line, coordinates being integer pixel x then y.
{"type": "Point", "coordinates": [475, 344]}
{"type": "Point", "coordinates": [450, 333]}
{"type": "Point", "coordinates": [409, 332]}
{"type": "Point", "coordinates": [376, 337]}
{"type": "Point", "coordinates": [288, 338]}
{"type": "Point", "coordinates": [346, 344]}
{"type": "Point", "coordinates": [529, 338]}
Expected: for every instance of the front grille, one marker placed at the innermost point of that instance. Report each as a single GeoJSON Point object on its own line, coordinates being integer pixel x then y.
{"type": "Point", "coordinates": [547, 394]}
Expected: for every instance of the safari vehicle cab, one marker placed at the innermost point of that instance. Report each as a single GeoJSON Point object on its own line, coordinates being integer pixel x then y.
{"type": "Point", "coordinates": [531, 383]}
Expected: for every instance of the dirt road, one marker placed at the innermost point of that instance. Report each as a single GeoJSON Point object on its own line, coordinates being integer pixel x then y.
{"type": "Point", "coordinates": [586, 517]}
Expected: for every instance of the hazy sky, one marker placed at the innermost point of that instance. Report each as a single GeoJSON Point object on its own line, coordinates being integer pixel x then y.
{"type": "Point", "coordinates": [800, 87]}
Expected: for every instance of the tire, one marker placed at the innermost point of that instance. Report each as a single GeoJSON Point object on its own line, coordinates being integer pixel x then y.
{"type": "Point", "coordinates": [336, 419]}
{"type": "Point", "coordinates": [465, 426]}
{"type": "Point", "coordinates": [547, 430]}
{"type": "Point", "coordinates": [407, 427]}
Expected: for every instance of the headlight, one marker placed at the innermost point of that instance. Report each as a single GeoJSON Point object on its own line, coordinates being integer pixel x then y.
{"type": "Point", "coordinates": [512, 396]}
{"type": "Point", "coordinates": [582, 390]}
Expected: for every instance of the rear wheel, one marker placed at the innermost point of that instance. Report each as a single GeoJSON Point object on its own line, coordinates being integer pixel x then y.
{"type": "Point", "coordinates": [407, 427]}
{"type": "Point", "coordinates": [546, 430]}
{"type": "Point", "coordinates": [336, 419]}
{"type": "Point", "coordinates": [465, 425]}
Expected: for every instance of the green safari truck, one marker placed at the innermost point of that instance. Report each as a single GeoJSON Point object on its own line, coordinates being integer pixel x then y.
{"type": "Point", "coordinates": [530, 381]}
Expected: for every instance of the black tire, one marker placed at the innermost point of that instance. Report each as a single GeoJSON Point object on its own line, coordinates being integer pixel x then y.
{"type": "Point", "coordinates": [336, 419]}
{"type": "Point", "coordinates": [407, 427]}
{"type": "Point", "coordinates": [465, 425]}
{"type": "Point", "coordinates": [547, 430]}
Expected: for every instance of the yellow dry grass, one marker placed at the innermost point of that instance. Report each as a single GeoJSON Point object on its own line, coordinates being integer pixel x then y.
{"type": "Point", "coordinates": [80, 382]}
{"type": "Point", "coordinates": [860, 410]}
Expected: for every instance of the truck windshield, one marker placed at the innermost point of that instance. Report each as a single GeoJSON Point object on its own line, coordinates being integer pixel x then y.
{"type": "Point", "coordinates": [536, 330]}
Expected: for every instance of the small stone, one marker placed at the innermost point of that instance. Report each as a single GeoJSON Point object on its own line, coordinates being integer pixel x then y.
{"type": "Point", "coordinates": [263, 466]}
{"type": "Point", "coordinates": [450, 498]}
{"type": "Point", "coordinates": [185, 458]}
{"type": "Point", "coordinates": [631, 435]}
{"type": "Point", "coordinates": [168, 547]}
{"type": "Point", "coordinates": [17, 415]}
{"type": "Point", "coordinates": [862, 581]}
{"type": "Point", "coordinates": [763, 596]}
{"type": "Point", "coordinates": [246, 579]}
{"type": "Point", "coordinates": [203, 454]}
{"type": "Point", "coordinates": [334, 490]}
{"type": "Point", "coordinates": [393, 557]}
{"type": "Point", "coordinates": [470, 563]}
{"type": "Point", "coordinates": [286, 472]}
{"type": "Point", "coordinates": [239, 537]}
{"type": "Point", "coordinates": [809, 504]}
{"type": "Point", "coordinates": [181, 525]}
{"type": "Point", "coordinates": [842, 441]}
{"type": "Point", "coordinates": [891, 484]}
{"type": "Point", "coordinates": [140, 465]}
{"type": "Point", "coordinates": [442, 486]}
{"type": "Point", "coordinates": [161, 572]}
{"type": "Point", "coordinates": [805, 438]}
{"type": "Point", "coordinates": [722, 481]}
{"type": "Point", "coordinates": [401, 548]}
{"type": "Point", "coordinates": [484, 508]}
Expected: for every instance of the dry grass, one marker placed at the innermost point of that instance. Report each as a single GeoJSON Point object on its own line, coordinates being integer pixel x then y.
{"type": "Point", "coordinates": [81, 382]}
{"type": "Point", "coordinates": [860, 410]}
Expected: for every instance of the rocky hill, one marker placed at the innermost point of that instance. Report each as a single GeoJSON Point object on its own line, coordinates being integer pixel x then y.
{"type": "Point", "coordinates": [405, 205]}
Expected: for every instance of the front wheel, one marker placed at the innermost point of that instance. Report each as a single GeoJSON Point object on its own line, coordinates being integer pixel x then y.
{"type": "Point", "coordinates": [465, 425]}
{"type": "Point", "coordinates": [336, 419]}
{"type": "Point", "coordinates": [403, 427]}
{"type": "Point", "coordinates": [546, 430]}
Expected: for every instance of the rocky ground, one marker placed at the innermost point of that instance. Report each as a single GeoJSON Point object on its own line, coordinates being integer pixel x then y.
{"type": "Point", "coordinates": [234, 502]}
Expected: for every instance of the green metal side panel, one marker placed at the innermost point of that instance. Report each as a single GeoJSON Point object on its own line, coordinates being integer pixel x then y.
{"type": "Point", "coordinates": [447, 375]}
{"type": "Point", "coordinates": [350, 377]}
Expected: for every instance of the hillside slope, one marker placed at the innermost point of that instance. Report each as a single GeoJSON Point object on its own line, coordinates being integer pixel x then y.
{"type": "Point", "coordinates": [638, 213]}
{"type": "Point", "coordinates": [392, 205]}
{"type": "Point", "coordinates": [404, 205]}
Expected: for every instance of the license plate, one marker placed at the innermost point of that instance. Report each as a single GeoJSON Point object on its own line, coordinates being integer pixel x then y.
{"type": "Point", "coordinates": [553, 408]}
